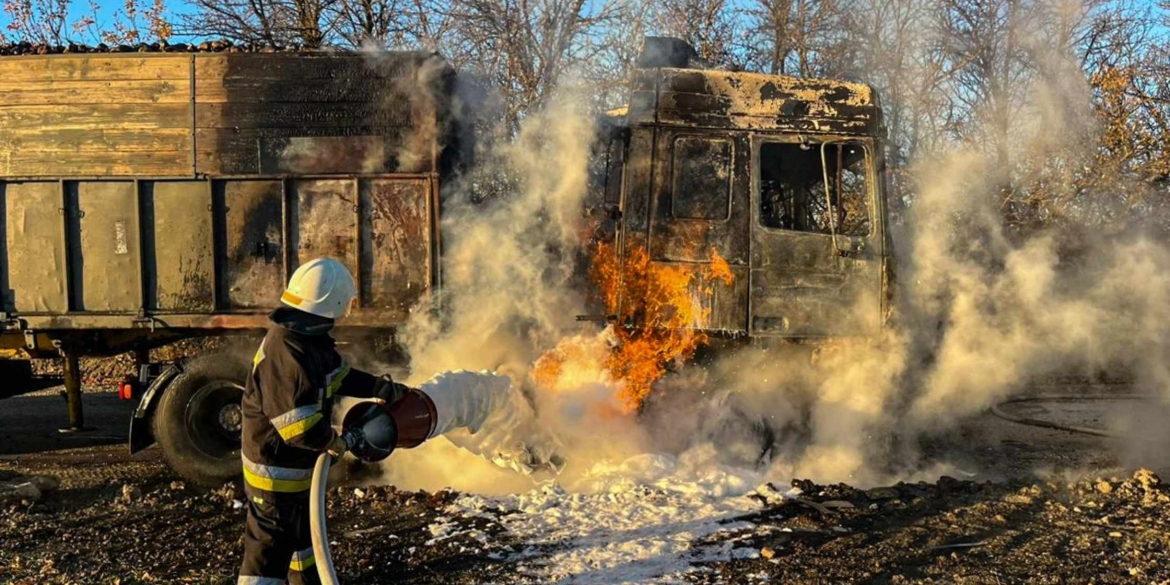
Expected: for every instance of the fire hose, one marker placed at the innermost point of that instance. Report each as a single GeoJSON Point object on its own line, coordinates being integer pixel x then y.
{"type": "Point", "coordinates": [320, 534]}
{"type": "Point", "coordinates": [447, 402]}
{"type": "Point", "coordinates": [997, 410]}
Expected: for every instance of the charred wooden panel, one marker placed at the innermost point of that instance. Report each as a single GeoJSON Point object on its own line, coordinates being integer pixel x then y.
{"type": "Point", "coordinates": [246, 105]}
{"type": "Point", "coordinates": [240, 71]}
{"type": "Point", "coordinates": [242, 88]}
{"type": "Point", "coordinates": [296, 116]}
{"type": "Point", "coordinates": [325, 224]}
{"type": "Point", "coordinates": [182, 253]}
{"type": "Point", "coordinates": [109, 262]}
{"type": "Point", "coordinates": [253, 268]}
{"type": "Point", "coordinates": [231, 151]}
{"type": "Point", "coordinates": [310, 155]}
{"type": "Point", "coordinates": [396, 243]}
{"type": "Point", "coordinates": [35, 242]}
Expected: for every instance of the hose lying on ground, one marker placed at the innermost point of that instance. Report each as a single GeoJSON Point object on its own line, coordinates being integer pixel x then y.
{"type": "Point", "coordinates": [997, 410]}
{"type": "Point", "coordinates": [317, 492]}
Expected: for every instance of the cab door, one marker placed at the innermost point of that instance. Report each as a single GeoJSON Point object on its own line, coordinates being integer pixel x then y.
{"type": "Point", "coordinates": [699, 215]}
{"type": "Point", "coordinates": [817, 239]}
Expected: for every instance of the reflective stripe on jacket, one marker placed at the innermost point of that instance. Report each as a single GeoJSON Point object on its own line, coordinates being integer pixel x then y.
{"type": "Point", "coordinates": [287, 404]}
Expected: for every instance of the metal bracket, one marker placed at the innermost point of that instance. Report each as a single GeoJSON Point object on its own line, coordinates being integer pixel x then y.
{"type": "Point", "coordinates": [145, 320]}
{"type": "Point", "coordinates": [10, 322]}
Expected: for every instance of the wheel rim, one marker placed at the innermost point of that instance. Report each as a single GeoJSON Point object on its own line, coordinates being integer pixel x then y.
{"type": "Point", "coordinates": [213, 419]}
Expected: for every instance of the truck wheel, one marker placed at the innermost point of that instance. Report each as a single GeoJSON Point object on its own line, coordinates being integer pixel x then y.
{"type": "Point", "coordinates": [198, 419]}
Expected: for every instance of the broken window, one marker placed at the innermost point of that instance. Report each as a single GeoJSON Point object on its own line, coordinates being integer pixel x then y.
{"type": "Point", "coordinates": [792, 188]}
{"type": "Point", "coordinates": [701, 178]}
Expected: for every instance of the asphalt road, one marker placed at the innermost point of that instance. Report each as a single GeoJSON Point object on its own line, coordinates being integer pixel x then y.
{"type": "Point", "coordinates": [30, 423]}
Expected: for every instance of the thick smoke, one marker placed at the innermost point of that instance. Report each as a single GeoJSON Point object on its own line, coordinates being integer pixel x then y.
{"type": "Point", "coordinates": [981, 312]}
{"type": "Point", "coordinates": [511, 236]}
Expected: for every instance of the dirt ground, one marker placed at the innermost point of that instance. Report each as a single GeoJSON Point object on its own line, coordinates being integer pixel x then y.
{"type": "Point", "coordinates": [1030, 508]}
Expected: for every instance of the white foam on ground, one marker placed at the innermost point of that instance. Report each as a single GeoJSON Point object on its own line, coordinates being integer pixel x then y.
{"type": "Point", "coordinates": [642, 520]}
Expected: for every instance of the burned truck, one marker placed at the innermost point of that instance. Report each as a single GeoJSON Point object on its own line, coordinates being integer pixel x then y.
{"type": "Point", "coordinates": [152, 197]}
{"type": "Point", "coordinates": [782, 178]}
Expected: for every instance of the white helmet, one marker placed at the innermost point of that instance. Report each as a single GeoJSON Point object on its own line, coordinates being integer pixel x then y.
{"type": "Point", "coordinates": [323, 287]}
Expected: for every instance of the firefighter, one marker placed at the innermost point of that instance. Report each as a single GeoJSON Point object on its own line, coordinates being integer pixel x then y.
{"type": "Point", "coordinates": [287, 411]}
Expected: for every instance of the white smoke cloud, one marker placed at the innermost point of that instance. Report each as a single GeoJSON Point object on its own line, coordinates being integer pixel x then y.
{"type": "Point", "coordinates": [981, 312]}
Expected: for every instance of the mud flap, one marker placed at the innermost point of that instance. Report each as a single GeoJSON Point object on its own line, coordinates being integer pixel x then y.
{"type": "Point", "coordinates": [141, 435]}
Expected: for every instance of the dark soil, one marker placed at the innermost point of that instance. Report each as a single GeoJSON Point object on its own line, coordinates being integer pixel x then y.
{"type": "Point", "coordinates": [1093, 531]}
{"type": "Point", "coordinates": [1025, 527]}
{"type": "Point", "coordinates": [168, 532]}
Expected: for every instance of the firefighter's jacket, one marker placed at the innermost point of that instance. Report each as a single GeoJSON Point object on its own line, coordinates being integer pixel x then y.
{"type": "Point", "coordinates": [288, 402]}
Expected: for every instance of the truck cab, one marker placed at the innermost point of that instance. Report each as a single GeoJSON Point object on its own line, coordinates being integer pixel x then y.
{"type": "Point", "coordinates": [780, 177]}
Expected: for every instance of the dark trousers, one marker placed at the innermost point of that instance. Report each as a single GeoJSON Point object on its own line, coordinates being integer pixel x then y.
{"type": "Point", "coordinates": [277, 542]}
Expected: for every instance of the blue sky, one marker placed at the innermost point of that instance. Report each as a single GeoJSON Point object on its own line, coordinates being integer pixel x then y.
{"type": "Point", "coordinates": [108, 8]}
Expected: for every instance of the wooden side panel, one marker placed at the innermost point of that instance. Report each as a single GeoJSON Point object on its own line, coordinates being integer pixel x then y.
{"type": "Point", "coordinates": [136, 91]}
{"type": "Point", "coordinates": [66, 116]}
{"type": "Point", "coordinates": [253, 268]}
{"type": "Point", "coordinates": [35, 242]}
{"type": "Point", "coordinates": [109, 247]}
{"type": "Point", "coordinates": [104, 67]}
{"type": "Point", "coordinates": [182, 233]}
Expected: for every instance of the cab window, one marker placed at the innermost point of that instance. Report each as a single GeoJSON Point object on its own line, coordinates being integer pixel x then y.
{"type": "Point", "coordinates": [792, 188]}
{"type": "Point", "coordinates": [701, 178]}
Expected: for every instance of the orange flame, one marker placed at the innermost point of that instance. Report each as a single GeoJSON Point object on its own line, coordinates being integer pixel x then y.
{"type": "Point", "coordinates": [660, 314]}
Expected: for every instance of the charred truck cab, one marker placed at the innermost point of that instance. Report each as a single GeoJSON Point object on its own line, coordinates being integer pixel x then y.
{"type": "Point", "coordinates": [781, 177]}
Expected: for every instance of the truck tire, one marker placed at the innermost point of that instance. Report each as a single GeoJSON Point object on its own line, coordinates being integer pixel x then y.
{"type": "Point", "coordinates": [198, 419]}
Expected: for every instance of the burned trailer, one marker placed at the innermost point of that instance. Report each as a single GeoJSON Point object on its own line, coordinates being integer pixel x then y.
{"type": "Point", "coordinates": [149, 197]}
{"type": "Point", "coordinates": [781, 177]}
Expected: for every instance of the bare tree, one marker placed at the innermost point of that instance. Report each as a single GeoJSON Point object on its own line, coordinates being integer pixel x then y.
{"type": "Point", "coordinates": [309, 23]}
{"type": "Point", "coordinates": [38, 21]}
{"type": "Point", "coordinates": [710, 26]}
{"type": "Point", "coordinates": [370, 21]}
{"type": "Point", "coordinates": [524, 47]}
{"type": "Point", "coordinates": [610, 70]}
{"type": "Point", "coordinates": [798, 37]}
{"type": "Point", "coordinates": [135, 21]}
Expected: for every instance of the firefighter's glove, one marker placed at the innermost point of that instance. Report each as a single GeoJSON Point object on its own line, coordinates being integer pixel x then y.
{"type": "Point", "coordinates": [345, 442]}
{"type": "Point", "coordinates": [389, 391]}
{"type": "Point", "coordinates": [337, 447]}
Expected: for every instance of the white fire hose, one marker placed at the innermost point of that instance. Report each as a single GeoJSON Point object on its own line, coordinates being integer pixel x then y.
{"type": "Point", "coordinates": [321, 554]}
{"type": "Point", "coordinates": [461, 400]}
